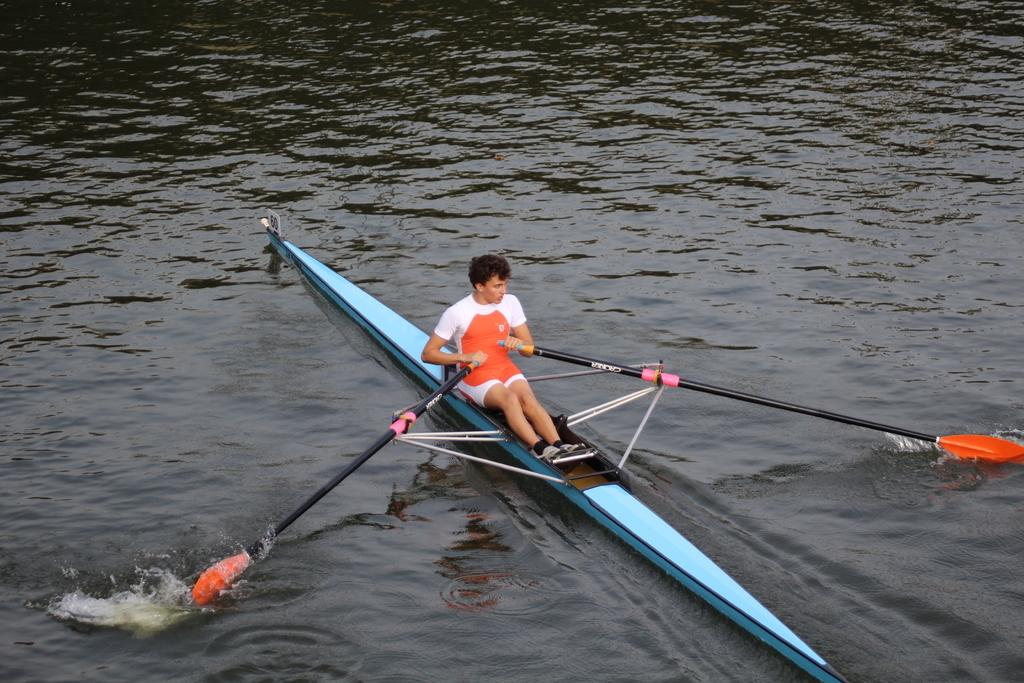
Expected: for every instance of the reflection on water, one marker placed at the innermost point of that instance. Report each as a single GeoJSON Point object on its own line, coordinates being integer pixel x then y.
{"type": "Point", "coordinates": [482, 572]}
{"type": "Point", "coordinates": [471, 590]}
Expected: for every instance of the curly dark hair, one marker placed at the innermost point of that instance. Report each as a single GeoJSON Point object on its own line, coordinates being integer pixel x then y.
{"type": "Point", "coordinates": [483, 268]}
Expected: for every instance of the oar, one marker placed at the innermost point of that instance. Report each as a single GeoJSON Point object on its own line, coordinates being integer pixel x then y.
{"type": "Point", "coordinates": [220, 576]}
{"type": "Point", "coordinates": [963, 445]}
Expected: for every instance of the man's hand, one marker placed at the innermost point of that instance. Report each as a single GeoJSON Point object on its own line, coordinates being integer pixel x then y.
{"type": "Point", "coordinates": [513, 342]}
{"type": "Point", "coordinates": [478, 357]}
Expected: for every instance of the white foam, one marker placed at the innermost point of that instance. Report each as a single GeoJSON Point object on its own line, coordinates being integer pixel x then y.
{"type": "Point", "coordinates": [144, 610]}
{"type": "Point", "coordinates": [904, 443]}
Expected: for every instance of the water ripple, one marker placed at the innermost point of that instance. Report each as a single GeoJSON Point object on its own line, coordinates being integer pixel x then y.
{"type": "Point", "coordinates": [283, 651]}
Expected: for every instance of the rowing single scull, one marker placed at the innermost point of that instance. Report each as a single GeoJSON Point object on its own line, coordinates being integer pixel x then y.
{"type": "Point", "coordinates": [593, 481]}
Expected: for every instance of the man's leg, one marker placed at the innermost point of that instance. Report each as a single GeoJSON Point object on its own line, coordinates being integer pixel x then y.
{"type": "Point", "coordinates": [534, 411]}
{"type": "Point", "coordinates": [500, 397]}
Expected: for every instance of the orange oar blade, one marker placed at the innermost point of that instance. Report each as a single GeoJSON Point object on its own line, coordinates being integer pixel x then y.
{"type": "Point", "coordinates": [219, 578]}
{"type": "Point", "coordinates": [982, 447]}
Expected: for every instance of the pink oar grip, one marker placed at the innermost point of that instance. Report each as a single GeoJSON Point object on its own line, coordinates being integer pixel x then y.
{"type": "Point", "coordinates": [652, 375]}
{"type": "Point", "coordinates": [402, 423]}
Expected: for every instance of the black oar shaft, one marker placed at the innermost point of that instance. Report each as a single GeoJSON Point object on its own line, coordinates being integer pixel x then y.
{"type": "Point", "coordinates": [673, 380]}
{"type": "Point", "coordinates": [383, 440]}
{"type": "Point", "coordinates": [792, 407]}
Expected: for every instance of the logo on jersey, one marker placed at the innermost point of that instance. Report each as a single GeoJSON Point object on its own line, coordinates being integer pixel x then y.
{"type": "Point", "coordinates": [501, 328]}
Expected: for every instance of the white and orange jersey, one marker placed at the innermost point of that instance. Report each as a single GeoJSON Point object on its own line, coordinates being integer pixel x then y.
{"type": "Point", "coordinates": [479, 327]}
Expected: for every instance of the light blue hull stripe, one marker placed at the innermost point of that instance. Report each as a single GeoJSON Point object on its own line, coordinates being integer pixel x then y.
{"type": "Point", "coordinates": [639, 520]}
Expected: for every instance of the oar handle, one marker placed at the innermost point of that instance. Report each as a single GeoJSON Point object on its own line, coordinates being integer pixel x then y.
{"type": "Point", "coordinates": [525, 349]}
{"type": "Point", "coordinates": [658, 377]}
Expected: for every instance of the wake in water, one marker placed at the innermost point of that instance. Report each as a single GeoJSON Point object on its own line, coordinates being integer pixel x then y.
{"type": "Point", "coordinates": [160, 600]}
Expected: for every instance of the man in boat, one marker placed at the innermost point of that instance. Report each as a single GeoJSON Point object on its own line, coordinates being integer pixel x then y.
{"type": "Point", "coordinates": [477, 323]}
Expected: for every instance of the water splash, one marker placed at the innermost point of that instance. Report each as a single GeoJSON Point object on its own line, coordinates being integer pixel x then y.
{"type": "Point", "coordinates": [157, 602]}
{"type": "Point", "coordinates": [1016, 435]}
{"type": "Point", "coordinates": [905, 444]}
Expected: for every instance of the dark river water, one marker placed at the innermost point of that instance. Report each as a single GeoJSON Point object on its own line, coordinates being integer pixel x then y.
{"type": "Point", "coordinates": [820, 202]}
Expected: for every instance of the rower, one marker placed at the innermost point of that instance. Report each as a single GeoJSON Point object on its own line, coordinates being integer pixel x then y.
{"type": "Point", "coordinates": [477, 324]}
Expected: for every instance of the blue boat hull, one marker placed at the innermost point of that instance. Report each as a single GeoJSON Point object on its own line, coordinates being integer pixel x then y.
{"type": "Point", "coordinates": [610, 503]}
